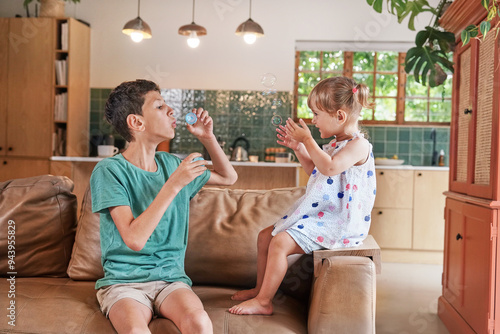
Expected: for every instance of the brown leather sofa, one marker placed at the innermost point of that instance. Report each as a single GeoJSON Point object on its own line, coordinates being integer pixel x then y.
{"type": "Point", "coordinates": [48, 284]}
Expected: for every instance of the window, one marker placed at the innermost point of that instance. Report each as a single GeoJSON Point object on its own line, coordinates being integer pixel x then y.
{"type": "Point", "coordinates": [425, 104]}
{"type": "Point", "coordinates": [313, 67]}
{"type": "Point", "coordinates": [398, 98]}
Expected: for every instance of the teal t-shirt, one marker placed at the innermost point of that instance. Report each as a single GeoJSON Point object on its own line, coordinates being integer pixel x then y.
{"type": "Point", "coordinates": [115, 182]}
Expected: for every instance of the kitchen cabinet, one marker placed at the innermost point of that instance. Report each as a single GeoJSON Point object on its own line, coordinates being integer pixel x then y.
{"type": "Point", "coordinates": [28, 127]}
{"type": "Point", "coordinates": [469, 277]}
{"type": "Point", "coordinates": [4, 38]}
{"type": "Point", "coordinates": [14, 168]}
{"type": "Point", "coordinates": [428, 206]}
{"type": "Point", "coordinates": [407, 218]}
{"type": "Point", "coordinates": [29, 79]}
{"type": "Point", "coordinates": [392, 228]}
{"type": "Point", "coordinates": [391, 224]}
{"type": "Point", "coordinates": [470, 300]}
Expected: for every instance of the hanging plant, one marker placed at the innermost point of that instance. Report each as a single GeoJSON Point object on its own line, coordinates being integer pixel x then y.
{"type": "Point", "coordinates": [429, 59]}
{"type": "Point", "coordinates": [484, 27]}
{"type": "Point", "coordinates": [430, 55]}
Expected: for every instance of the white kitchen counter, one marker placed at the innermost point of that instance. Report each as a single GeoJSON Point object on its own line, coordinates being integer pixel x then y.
{"type": "Point", "coordinates": [265, 164]}
{"type": "Point", "coordinates": [234, 163]}
{"type": "Point", "coordinates": [409, 167]}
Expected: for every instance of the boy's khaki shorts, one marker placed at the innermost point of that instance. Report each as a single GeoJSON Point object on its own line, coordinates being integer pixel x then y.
{"type": "Point", "coordinates": [151, 294]}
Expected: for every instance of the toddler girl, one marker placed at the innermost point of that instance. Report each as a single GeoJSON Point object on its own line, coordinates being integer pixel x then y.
{"type": "Point", "coordinates": [335, 210]}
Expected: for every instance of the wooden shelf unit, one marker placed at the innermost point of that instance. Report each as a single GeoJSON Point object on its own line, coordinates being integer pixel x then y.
{"type": "Point", "coordinates": [27, 93]}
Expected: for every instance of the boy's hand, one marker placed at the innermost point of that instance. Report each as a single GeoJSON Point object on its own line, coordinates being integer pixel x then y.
{"type": "Point", "coordinates": [204, 126]}
{"type": "Point", "coordinates": [188, 170]}
{"type": "Point", "coordinates": [285, 140]}
{"type": "Point", "coordinates": [296, 132]}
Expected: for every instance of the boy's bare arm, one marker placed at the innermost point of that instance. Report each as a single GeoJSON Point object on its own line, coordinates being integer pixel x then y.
{"type": "Point", "coordinates": [223, 173]}
{"type": "Point", "coordinates": [135, 232]}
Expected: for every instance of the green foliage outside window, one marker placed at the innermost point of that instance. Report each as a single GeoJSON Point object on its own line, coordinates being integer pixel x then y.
{"type": "Point", "coordinates": [380, 72]}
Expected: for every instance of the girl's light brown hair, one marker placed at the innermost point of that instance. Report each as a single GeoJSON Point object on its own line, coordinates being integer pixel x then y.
{"type": "Point", "coordinates": [335, 93]}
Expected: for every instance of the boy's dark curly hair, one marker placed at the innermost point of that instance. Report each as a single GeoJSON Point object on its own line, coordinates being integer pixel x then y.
{"type": "Point", "coordinates": [124, 100]}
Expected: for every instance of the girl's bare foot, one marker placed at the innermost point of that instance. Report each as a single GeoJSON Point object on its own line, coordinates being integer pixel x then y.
{"type": "Point", "coordinates": [245, 294]}
{"type": "Point", "coordinates": [253, 306]}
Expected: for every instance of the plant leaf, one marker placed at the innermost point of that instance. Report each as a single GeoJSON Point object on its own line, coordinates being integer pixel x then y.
{"type": "Point", "coordinates": [492, 13]}
{"type": "Point", "coordinates": [424, 74]}
{"type": "Point", "coordinates": [413, 8]}
{"type": "Point", "coordinates": [396, 6]}
{"type": "Point", "coordinates": [473, 30]}
{"type": "Point", "coordinates": [485, 3]}
{"type": "Point", "coordinates": [422, 60]}
{"type": "Point", "coordinates": [444, 39]}
{"type": "Point", "coordinates": [376, 4]}
{"type": "Point", "coordinates": [465, 37]}
{"type": "Point", "coordinates": [422, 37]}
{"type": "Point", "coordinates": [484, 27]}
{"type": "Point", "coordinates": [418, 67]}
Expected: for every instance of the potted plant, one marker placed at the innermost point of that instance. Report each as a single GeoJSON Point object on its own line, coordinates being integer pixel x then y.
{"type": "Point", "coordinates": [429, 59]}
{"type": "Point", "coordinates": [49, 8]}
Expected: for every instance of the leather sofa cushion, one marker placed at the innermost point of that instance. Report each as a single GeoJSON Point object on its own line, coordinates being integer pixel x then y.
{"type": "Point", "coordinates": [223, 229]}
{"type": "Point", "coordinates": [85, 264]}
{"type": "Point", "coordinates": [61, 305]}
{"type": "Point", "coordinates": [43, 211]}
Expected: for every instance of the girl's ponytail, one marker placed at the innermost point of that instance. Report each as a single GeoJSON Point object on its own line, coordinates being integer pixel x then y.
{"type": "Point", "coordinates": [362, 93]}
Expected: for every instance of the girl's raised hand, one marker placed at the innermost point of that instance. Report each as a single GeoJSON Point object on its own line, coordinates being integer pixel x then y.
{"type": "Point", "coordinates": [285, 140]}
{"type": "Point", "coordinates": [296, 132]}
{"type": "Point", "coordinates": [204, 126]}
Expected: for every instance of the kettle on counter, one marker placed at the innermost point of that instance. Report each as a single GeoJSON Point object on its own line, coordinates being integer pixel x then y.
{"type": "Point", "coordinates": [238, 153]}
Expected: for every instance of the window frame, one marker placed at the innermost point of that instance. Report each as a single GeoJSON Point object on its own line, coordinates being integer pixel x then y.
{"type": "Point", "coordinates": [348, 72]}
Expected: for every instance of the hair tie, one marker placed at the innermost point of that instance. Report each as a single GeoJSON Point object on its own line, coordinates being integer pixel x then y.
{"type": "Point", "coordinates": [354, 90]}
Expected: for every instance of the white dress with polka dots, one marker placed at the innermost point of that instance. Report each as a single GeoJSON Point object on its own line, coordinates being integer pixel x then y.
{"type": "Point", "coordinates": [336, 210]}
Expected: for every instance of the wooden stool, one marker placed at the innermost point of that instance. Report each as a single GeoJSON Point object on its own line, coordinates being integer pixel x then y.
{"type": "Point", "coordinates": [369, 248]}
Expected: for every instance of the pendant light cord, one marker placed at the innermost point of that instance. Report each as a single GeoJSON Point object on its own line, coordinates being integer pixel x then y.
{"type": "Point", "coordinates": [193, 11]}
{"type": "Point", "coordinates": [139, 8]}
{"type": "Point", "coordinates": [250, 10]}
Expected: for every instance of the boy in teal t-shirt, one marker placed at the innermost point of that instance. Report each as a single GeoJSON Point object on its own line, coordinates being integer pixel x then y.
{"type": "Point", "coordinates": [143, 200]}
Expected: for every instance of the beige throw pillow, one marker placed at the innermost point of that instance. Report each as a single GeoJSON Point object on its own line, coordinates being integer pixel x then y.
{"type": "Point", "coordinates": [85, 264]}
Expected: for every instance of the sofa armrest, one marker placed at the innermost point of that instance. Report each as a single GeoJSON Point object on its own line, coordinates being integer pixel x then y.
{"type": "Point", "coordinates": [343, 296]}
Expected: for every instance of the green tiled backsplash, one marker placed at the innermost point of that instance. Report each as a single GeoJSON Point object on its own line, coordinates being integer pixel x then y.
{"type": "Point", "coordinates": [249, 113]}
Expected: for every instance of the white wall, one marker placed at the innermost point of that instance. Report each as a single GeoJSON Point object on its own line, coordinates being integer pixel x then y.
{"type": "Point", "coordinates": [223, 60]}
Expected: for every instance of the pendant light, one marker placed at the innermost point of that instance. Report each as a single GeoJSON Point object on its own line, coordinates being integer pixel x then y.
{"type": "Point", "coordinates": [250, 29]}
{"type": "Point", "coordinates": [137, 29]}
{"type": "Point", "coordinates": [193, 31]}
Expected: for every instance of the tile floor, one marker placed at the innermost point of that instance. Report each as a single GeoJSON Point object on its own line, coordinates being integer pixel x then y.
{"type": "Point", "coordinates": [407, 299]}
